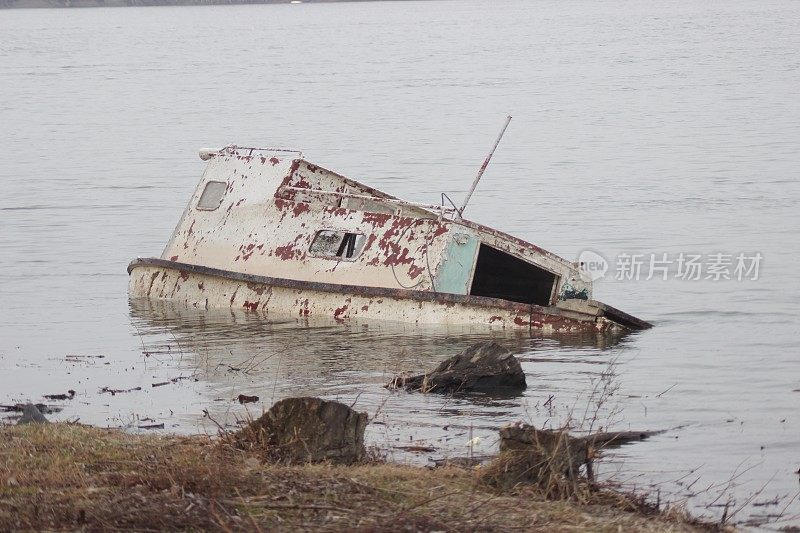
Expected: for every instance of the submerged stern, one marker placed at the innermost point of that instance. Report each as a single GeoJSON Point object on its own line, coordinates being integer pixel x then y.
{"type": "Point", "coordinates": [205, 288]}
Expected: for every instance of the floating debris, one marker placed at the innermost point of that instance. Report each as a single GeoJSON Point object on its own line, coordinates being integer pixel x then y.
{"type": "Point", "coordinates": [19, 407]}
{"type": "Point", "coordinates": [243, 399]}
{"type": "Point", "coordinates": [70, 395]}
{"type": "Point", "coordinates": [114, 392]}
{"type": "Point", "coordinates": [173, 380]}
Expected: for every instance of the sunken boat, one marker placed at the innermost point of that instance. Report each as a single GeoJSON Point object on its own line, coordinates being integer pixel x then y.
{"type": "Point", "coordinates": [270, 232]}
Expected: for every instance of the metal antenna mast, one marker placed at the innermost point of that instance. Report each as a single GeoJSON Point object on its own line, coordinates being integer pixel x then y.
{"type": "Point", "coordinates": [483, 168]}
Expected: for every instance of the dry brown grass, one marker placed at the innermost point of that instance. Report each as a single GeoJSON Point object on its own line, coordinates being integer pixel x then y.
{"type": "Point", "coordinates": [66, 477]}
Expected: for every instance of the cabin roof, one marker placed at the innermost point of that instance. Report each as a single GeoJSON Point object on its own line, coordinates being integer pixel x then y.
{"type": "Point", "coordinates": [448, 213]}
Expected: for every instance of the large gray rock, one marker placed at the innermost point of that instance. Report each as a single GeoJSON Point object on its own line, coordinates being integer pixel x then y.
{"type": "Point", "coordinates": [483, 367]}
{"type": "Point", "coordinates": [303, 430]}
{"type": "Point", "coordinates": [31, 415]}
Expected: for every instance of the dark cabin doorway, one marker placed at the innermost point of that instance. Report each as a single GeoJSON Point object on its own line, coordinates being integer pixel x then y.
{"type": "Point", "coordinates": [501, 275]}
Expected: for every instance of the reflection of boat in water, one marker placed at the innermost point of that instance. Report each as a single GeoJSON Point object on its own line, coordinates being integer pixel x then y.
{"type": "Point", "coordinates": [268, 232]}
{"type": "Point", "coordinates": [227, 352]}
{"type": "Point", "coordinates": [231, 351]}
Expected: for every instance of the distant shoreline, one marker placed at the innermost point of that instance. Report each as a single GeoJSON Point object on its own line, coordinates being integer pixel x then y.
{"type": "Point", "coordinates": [44, 4]}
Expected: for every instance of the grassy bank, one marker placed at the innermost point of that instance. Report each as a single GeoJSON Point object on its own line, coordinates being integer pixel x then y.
{"type": "Point", "coordinates": [62, 476]}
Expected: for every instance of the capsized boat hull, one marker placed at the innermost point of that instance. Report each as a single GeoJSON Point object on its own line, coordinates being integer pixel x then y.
{"type": "Point", "coordinates": [205, 287]}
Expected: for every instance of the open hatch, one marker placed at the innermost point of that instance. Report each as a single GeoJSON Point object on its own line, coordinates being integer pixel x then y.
{"type": "Point", "coordinates": [501, 275]}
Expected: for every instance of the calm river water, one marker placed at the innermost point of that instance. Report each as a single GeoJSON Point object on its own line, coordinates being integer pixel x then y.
{"type": "Point", "coordinates": [639, 128]}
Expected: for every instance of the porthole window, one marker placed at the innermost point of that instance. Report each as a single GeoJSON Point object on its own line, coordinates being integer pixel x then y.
{"type": "Point", "coordinates": [212, 195]}
{"type": "Point", "coordinates": [337, 244]}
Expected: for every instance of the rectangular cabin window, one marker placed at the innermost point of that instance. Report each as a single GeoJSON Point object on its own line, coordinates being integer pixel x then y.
{"type": "Point", "coordinates": [501, 275]}
{"type": "Point", "coordinates": [212, 195]}
{"type": "Point", "coordinates": [337, 244]}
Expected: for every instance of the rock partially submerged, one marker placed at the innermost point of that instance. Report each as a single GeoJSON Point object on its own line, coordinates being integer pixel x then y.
{"type": "Point", "coordinates": [550, 459]}
{"type": "Point", "coordinates": [555, 449]}
{"type": "Point", "coordinates": [483, 367]}
{"type": "Point", "coordinates": [304, 430]}
{"type": "Point", "coordinates": [32, 415]}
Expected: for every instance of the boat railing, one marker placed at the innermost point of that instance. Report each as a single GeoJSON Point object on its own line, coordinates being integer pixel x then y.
{"type": "Point", "coordinates": [233, 149]}
{"type": "Point", "coordinates": [440, 209]}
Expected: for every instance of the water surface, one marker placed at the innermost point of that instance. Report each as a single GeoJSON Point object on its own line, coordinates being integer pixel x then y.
{"type": "Point", "coordinates": [658, 127]}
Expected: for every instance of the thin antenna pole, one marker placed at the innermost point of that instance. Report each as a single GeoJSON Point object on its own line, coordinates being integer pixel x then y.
{"type": "Point", "coordinates": [483, 167]}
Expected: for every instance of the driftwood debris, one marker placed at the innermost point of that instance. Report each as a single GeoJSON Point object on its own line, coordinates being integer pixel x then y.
{"type": "Point", "coordinates": [551, 459]}
{"type": "Point", "coordinates": [173, 380]}
{"type": "Point", "coordinates": [114, 392]}
{"type": "Point", "coordinates": [613, 439]}
{"type": "Point", "coordinates": [483, 367]}
{"type": "Point", "coordinates": [70, 395]}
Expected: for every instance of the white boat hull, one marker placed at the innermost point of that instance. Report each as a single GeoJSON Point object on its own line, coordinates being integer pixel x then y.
{"type": "Point", "coordinates": [204, 287]}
